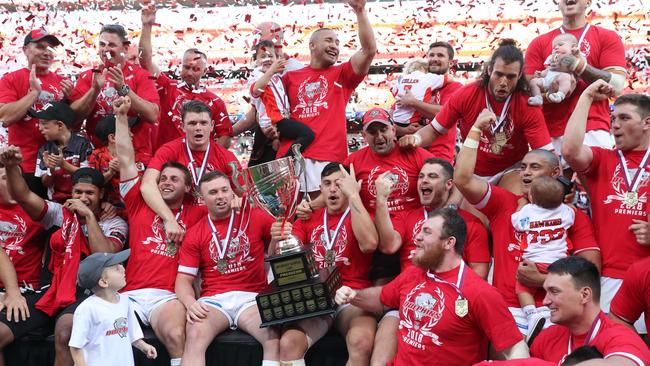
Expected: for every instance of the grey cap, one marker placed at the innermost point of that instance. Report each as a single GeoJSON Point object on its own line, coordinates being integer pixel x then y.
{"type": "Point", "coordinates": [91, 268]}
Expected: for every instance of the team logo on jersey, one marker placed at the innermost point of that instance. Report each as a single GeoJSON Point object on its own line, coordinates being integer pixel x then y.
{"type": "Point", "coordinates": [585, 48]}
{"type": "Point", "coordinates": [311, 96]}
{"type": "Point", "coordinates": [44, 99]}
{"type": "Point", "coordinates": [12, 234]}
{"type": "Point", "coordinates": [240, 247]}
{"type": "Point", "coordinates": [398, 177]}
{"type": "Point", "coordinates": [502, 137]}
{"type": "Point", "coordinates": [159, 237]}
{"type": "Point", "coordinates": [416, 230]}
{"type": "Point", "coordinates": [318, 241]}
{"type": "Point", "coordinates": [620, 189]}
{"type": "Point", "coordinates": [69, 231]}
{"type": "Point", "coordinates": [421, 312]}
{"type": "Point", "coordinates": [120, 327]}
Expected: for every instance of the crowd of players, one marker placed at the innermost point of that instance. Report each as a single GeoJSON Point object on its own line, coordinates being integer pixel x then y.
{"type": "Point", "coordinates": [127, 157]}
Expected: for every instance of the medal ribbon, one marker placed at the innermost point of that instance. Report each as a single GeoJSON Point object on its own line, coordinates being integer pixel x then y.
{"type": "Point", "coordinates": [593, 331]}
{"type": "Point", "coordinates": [504, 113]}
{"type": "Point", "coordinates": [203, 165]}
{"type": "Point", "coordinates": [222, 251]}
{"type": "Point", "coordinates": [326, 230]}
{"type": "Point", "coordinates": [582, 35]}
{"type": "Point", "coordinates": [179, 213]}
{"type": "Point", "coordinates": [459, 281]}
{"type": "Point", "coordinates": [633, 184]}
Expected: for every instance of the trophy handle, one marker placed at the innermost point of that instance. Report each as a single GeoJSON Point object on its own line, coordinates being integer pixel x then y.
{"type": "Point", "coordinates": [301, 161]}
{"type": "Point", "coordinates": [235, 176]}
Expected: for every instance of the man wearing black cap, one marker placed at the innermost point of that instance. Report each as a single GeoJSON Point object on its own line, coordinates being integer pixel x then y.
{"type": "Point", "coordinates": [31, 87]}
{"type": "Point", "coordinates": [63, 153]}
{"type": "Point", "coordinates": [81, 233]}
{"type": "Point", "coordinates": [97, 89]}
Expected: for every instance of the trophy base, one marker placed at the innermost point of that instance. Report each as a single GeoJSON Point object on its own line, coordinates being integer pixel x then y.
{"type": "Point", "coordinates": [289, 245]}
{"type": "Point", "coordinates": [285, 304]}
{"type": "Point", "coordinates": [293, 267]}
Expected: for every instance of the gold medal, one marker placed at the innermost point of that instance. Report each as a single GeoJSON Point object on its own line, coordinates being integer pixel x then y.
{"type": "Point", "coordinates": [171, 248]}
{"type": "Point", "coordinates": [496, 148]}
{"type": "Point", "coordinates": [462, 308]}
{"type": "Point", "coordinates": [330, 257]}
{"type": "Point", "coordinates": [631, 199]}
{"type": "Point", "coordinates": [222, 266]}
{"type": "Point", "coordinates": [500, 138]}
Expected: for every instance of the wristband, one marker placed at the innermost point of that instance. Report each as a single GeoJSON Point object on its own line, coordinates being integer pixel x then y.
{"type": "Point", "coordinates": [475, 129]}
{"type": "Point", "coordinates": [471, 143]}
{"type": "Point", "coordinates": [582, 69]}
{"type": "Point", "coordinates": [418, 139]}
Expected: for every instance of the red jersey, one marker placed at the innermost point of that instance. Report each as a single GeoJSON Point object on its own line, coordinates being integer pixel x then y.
{"type": "Point", "coordinates": [25, 133]}
{"type": "Point", "coordinates": [409, 223]}
{"type": "Point", "coordinates": [523, 125]}
{"type": "Point", "coordinates": [173, 94]}
{"type": "Point", "coordinates": [603, 49]}
{"type": "Point", "coordinates": [353, 264]}
{"type": "Point", "coordinates": [444, 147]}
{"type": "Point", "coordinates": [609, 337]}
{"type": "Point", "coordinates": [245, 254]}
{"type": "Point", "coordinates": [142, 84]}
{"type": "Point", "coordinates": [176, 151]}
{"type": "Point", "coordinates": [318, 98]}
{"type": "Point", "coordinates": [499, 205]}
{"type": "Point", "coordinates": [152, 263]}
{"type": "Point", "coordinates": [431, 332]}
{"type": "Point", "coordinates": [611, 214]}
{"type": "Point", "coordinates": [633, 297]}
{"type": "Point", "coordinates": [24, 241]}
{"type": "Point", "coordinates": [404, 165]}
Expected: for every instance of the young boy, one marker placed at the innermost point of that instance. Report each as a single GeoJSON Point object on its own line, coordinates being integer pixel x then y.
{"type": "Point", "coordinates": [63, 153]}
{"type": "Point", "coordinates": [417, 80]}
{"type": "Point", "coordinates": [558, 85]}
{"type": "Point", "coordinates": [542, 228]}
{"type": "Point", "coordinates": [270, 99]}
{"type": "Point", "coordinates": [104, 158]}
{"type": "Point", "coordinates": [104, 325]}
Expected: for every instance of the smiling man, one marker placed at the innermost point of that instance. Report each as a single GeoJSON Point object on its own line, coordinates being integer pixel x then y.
{"type": "Point", "coordinates": [514, 125]}
{"type": "Point", "coordinates": [197, 151]}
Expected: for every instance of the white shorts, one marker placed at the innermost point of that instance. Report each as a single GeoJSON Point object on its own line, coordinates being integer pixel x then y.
{"type": "Point", "coordinates": [231, 304]}
{"type": "Point", "coordinates": [494, 179]}
{"type": "Point", "coordinates": [522, 321]}
{"type": "Point", "coordinates": [145, 301]}
{"type": "Point", "coordinates": [340, 308]}
{"type": "Point", "coordinates": [312, 179]}
{"type": "Point", "coordinates": [608, 289]}
{"type": "Point", "coordinates": [394, 313]}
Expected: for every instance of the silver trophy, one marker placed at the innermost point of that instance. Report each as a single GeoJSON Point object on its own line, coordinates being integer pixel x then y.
{"type": "Point", "coordinates": [274, 186]}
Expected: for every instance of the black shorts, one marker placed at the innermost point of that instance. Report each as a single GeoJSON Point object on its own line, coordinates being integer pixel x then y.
{"type": "Point", "coordinates": [81, 296]}
{"type": "Point", "coordinates": [36, 320]}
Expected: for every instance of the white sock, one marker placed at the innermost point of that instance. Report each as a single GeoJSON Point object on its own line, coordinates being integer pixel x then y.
{"type": "Point", "coordinates": [529, 309]}
{"type": "Point", "coordinates": [536, 100]}
{"type": "Point", "coordinates": [300, 362]}
{"type": "Point", "coordinates": [175, 362]}
{"type": "Point", "coordinates": [270, 363]}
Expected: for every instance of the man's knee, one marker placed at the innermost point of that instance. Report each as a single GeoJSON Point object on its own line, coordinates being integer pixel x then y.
{"type": "Point", "coordinates": [6, 336]}
{"type": "Point", "coordinates": [63, 330]}
{"type": "Point", "coordinates": [360, 339]}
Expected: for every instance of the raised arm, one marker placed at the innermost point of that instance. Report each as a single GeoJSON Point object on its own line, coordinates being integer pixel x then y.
{"type": "Point", "coordinates": [140, 106]}
{"type": "Point", "coordinates": [145, 56]}
{"type": "Point", "coordinates": [389, 240]}
{"type": "Point", "coordinates": [577, 155]}
{"type": "Point", "coordinates": [13, 112]}
{"type": "Point", "coordinates": [33, 205]}
{"type": "Point", "coordinates": [472, 188]}
{"type": "Point", "coordinates": [362, 226]}
{"type": "Point", "coordinates": [153, 198]}
{"type": "Point", "coordinates": [362, 59]}
{"type": "Point", "coordinates": [84, 105]}
{"type": "Point", "coordinates": [123, 143]}
{"type": "Point", "coordinates": [423, 137]}
{"type": "Point", "coordinates": [613, 76]}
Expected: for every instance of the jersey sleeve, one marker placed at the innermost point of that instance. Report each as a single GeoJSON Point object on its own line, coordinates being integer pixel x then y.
{"type": "Point", "coordinates": [40, 169]}
{"type": "Point", "coordinates": [84, 154]}
{"type": "Point", "coordinates": [116, 230]}
{"type": "Point", "coordinates": [222, 124]}
{"type": "Point", "coordinates": [145, 87]}
{"type": "Point", "coordinates": [349, 77]}
{"type": "Point", "coordinates": [164, 154]}
{"type": "Point", "coordinates": [582, 234]}
{"type": "Point", "coordinates": [81, 326]}
{"type": "Point", "coordinates": [612, 54]}
{"type": "Point", "coordinates": [535, 129]}
{"type": "Point", "coordinates": [476, 244]}
{"type": "Point", "coordinates": [448, 116]}
{"type": "Point", "coordinates": [301, 231]}
{"type": "Point", "coordinates": [390, 293]}
{"type": "Point", "coordinates": [8, 90]}
{"type": "Point", "coordinates": [495, 319]}
{"type": "Point", "coordinates": [493, 202]}
{"type": "Point", "coordinates": [82, 86]}
{"type": "Point", "coordinates": [591, 171]}
{"type": "Point", "coordinates": [52, 215]}
{"type": "Point", "coordinates": [628, 303]}
{"type": "Point", "coordinates": [190, 257]}
{"type": "Point", "coordinates": [534, 59]}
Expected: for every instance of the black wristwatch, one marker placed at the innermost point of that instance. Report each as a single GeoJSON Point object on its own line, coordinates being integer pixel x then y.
{"type": "Point", "coordinates": [123, 91]}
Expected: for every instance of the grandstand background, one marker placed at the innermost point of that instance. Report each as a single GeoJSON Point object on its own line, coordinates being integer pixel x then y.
{"type": "Point", "coordinates": [403, 29]}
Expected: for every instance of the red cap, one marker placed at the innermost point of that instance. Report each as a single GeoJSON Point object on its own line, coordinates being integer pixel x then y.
{"type": "Point", "coordinates": [38, 34]}
{"type": "Point", "coordinates": [376, 115]}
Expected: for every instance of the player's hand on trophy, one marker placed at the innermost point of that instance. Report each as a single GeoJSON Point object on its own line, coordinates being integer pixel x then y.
{"type": "Point", "coordinates": [410, 141]}
{"type": "Point", "coordinates": [384, 186]}
{"type": "Point", "coordinates": [344, 295]}
{"type": "Point", "coordinates": [349, 184]}
{"type": "Point", "coordinates": [280, 231]}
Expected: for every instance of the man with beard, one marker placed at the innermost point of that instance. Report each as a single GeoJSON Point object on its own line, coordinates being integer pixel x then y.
{"type": "Point", "coordinates": [173, 94]}
{"type": "Point", "coordinates": [31, 87]}
{"type": "Point", "coordinates": [498, 205]}
{"type": "Point", "coordinates": [81, 233]}
{"type": "Point", "coordinates": [514, 125]}
{"type": "Point", "coordinates": [97, 89]}
{"type": "Point", "coordinates": [397, 234]}
{"type": "Point", "coordinates": [197, 151]}
{"type": "Point", "coordinates": [447, 312]}
{"type": "Point", "coordinates": [153, 262]}
{"type": "Point", "coordinates": [318, 94]}
{"type": "Point", "coordinates": [440, 56]}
